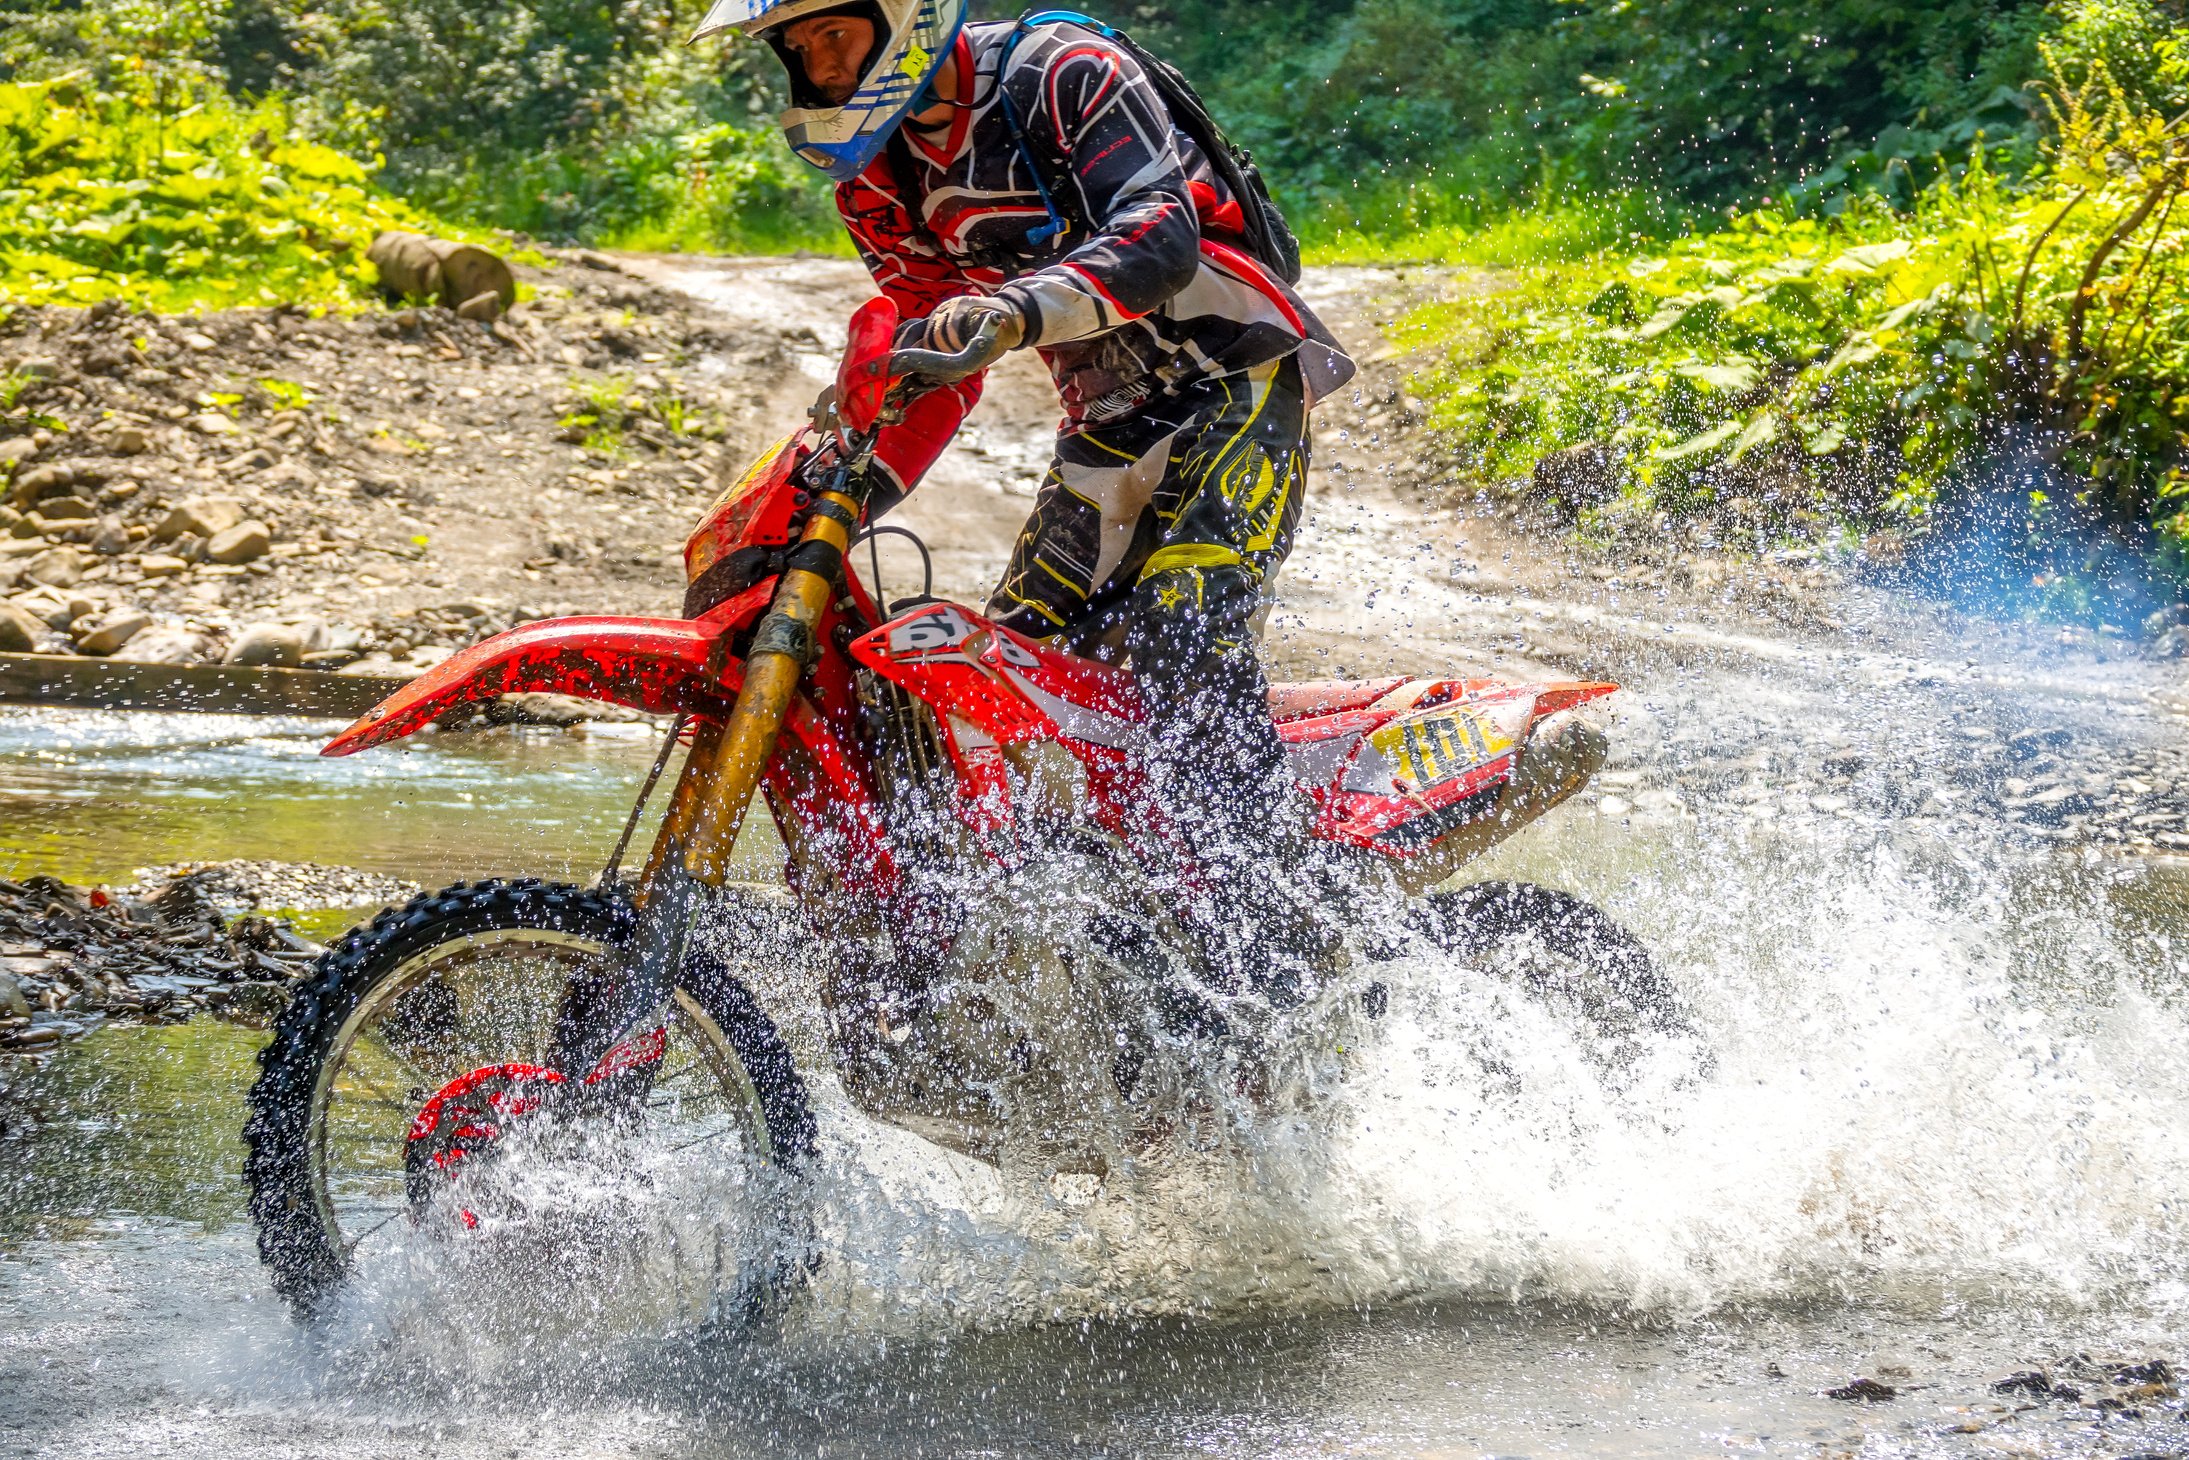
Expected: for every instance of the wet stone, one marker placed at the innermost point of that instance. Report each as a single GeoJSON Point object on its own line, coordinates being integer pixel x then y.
{"type": "Point", "coordinates": [113, 631]}
{"type": "Point", "coordinates": [278, 646]}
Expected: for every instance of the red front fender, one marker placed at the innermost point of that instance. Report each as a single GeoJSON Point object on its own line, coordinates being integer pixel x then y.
{"type": "Point", "coordinates": [660, 665]}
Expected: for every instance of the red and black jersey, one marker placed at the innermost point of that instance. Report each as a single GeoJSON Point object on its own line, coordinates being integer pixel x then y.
{"type": "Point", "coordinates": [1147, 291]}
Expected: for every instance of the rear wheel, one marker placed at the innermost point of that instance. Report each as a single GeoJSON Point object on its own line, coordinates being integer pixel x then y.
{"type": "Point", "coordinates": [397, 1075]}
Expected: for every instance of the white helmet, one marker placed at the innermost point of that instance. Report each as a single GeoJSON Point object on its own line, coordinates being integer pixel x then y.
{"type": "Point", "coordinates": [911, 39]}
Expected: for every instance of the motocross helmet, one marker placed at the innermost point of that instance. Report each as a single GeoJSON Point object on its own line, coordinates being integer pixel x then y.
{"type": "Point", "coordinates": [911, 39]}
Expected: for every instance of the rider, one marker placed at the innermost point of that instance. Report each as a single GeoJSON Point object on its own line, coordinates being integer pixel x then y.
{"type": "Point", "coordinates": [1029, 176]}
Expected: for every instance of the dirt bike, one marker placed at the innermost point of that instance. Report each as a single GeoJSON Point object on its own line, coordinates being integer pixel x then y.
{"type": "Point", "coordinates": [928, 771]}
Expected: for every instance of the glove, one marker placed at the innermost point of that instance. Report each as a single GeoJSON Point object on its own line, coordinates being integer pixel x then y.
{"type": "Point", "coordinates": [954, 322]}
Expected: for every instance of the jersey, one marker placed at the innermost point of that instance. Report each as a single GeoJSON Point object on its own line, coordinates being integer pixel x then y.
{"type": "Point", "coordinates": [1149, 292]}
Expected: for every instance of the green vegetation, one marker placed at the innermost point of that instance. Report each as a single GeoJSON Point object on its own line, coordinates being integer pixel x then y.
{"type": "Point", "coordinates": [195, 203]}
{"type": "Point", "coordinates": [610, 413]}
{"type": "Point", "coordinates": [2008, 358]}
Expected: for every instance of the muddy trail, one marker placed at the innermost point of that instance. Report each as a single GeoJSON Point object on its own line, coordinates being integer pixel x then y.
{"type": "Point", "coordinates": [1921, 877]}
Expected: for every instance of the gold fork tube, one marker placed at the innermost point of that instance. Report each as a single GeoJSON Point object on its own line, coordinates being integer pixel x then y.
{"type": "Point", "coordinates": [772, 671]}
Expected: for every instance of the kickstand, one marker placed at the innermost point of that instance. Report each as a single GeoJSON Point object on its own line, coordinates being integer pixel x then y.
{"type": "Point", "coordinates": [610, 875]}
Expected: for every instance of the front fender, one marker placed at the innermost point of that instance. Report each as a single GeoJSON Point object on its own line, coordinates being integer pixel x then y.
{"type": "Point", "coordinates": [660, 665]}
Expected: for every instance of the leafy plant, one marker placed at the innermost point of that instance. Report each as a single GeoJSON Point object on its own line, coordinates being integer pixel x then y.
{"type": "Point", "coordinates": [101, 198]}
{"type": "Point", "coordinates": [285, 395]}
{"type": "Point", "coordinates": [611, 411]}
{"type": "Point", "coordinates": [2010, 356]}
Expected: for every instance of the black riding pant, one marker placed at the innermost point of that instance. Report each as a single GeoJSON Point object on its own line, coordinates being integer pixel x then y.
{"type": "Point", "coordinates": [1170, 524]}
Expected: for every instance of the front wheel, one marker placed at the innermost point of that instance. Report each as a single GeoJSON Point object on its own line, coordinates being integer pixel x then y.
{"type": "Point", "coordinates": [402, 1068]}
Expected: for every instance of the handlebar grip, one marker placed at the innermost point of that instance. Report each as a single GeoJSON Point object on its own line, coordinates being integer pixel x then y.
{"type": "Point", "coordinates": [945, 367]}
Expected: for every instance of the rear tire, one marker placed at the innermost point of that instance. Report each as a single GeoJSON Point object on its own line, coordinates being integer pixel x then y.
{"type": "Point", "coordinates": [286, 1164]}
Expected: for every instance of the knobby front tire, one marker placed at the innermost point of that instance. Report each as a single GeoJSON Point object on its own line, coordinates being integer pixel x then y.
{"type": "Point", "coordinates": [437, 987]}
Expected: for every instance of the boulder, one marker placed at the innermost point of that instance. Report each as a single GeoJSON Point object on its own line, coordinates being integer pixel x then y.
{"type": "Point", "coordinates": [246, 542]}
{"type": "Point", "coordinates": [114, 630]}
{"type": "Point", "coordinates": [160, 565]}
{"type": "Point", "coordinates": [15, 451]}
{"type": "Point", "coordinates": [56, 567]}
{"type": "Point", "coordinates": [198, 517]}
{"type": "Point", "coordinates": [278, 646]}
{"type": "Point", "coordinates": [112, 538]}
{"type": "Point", "coordinates": [130, 441]}
{"type": "Point", "coordinates": [19, 632]}
{"type": "Point", "coordinates": [64, 509]}
{"type": "Point", "coordinates": [164, 644]}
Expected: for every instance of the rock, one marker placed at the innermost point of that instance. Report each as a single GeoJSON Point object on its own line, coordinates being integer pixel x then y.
{"type": "Point", "coordinates": [256, 459]}
{"type": "Point", "coordinates": [19, 631]}
{"type": "Point", "coordinates": [277, 646]}
{"type": "Point", "coordinates": [2030, 744]}
{"type": "Point", "coordinates": [246, 542]}
{"type": "Point", "coordinates": [160, 565]}
{"type": "Point", "coordinates": [331, 658]}
{"type": "Point", "coordinates": [189, 547]}
{"type": "Point", "coordinates": [211, 423]}
{"type": "Point", "coordinates": [2173, 616]}
{"type": "Point", "coordinates": [538, 709]}
{"type": "Point", "coordinates": [2053, 805]}
{"type": "Point", "coordinates": [114, 630]}
{"type": "Point", "coordinates": [130, 441]}
{"type": "Point", "coordinates": [47, 608]}
{"type": "Point", "coordinates": [15, 451]}
{"type": "Point", "coordinates": [164, 644]}
{"type": "Point", "coordinates": [199, 517]}
{"type": "Point", "coordinates": [1868, 1391]}
{"type": "Point", "coordinates": [200, 342]}
{"type": "Point", "coordinates": [11, 997]}
{"type": "Point", "coordinates": [2031, 1381]}
{"type": "Point", "coordinates": [64, 509]}
{"type": "Point", "coordinates": [112, 538]}
{"type": "Point", "coordinates": [2173, 644]}
{"type": "Point", "coordinates": [56, 567]}
{"type": "Point", "coordinates": [41, 481]}
{"type": "Point", "coordinates": [1580, 476]}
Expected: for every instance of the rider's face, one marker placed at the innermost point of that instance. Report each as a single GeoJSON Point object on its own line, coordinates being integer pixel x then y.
{"type": "Point", "coordinates": [831, 48]}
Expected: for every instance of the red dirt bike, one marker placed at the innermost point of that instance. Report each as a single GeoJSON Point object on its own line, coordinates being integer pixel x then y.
{"type": "Point", "coordinates": [979, 891]}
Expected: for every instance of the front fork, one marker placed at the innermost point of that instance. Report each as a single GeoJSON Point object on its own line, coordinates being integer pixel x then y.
{"type": "Point", "coordinates": [691, 852]}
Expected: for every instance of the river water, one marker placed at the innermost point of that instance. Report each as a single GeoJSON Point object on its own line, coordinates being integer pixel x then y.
{"type": "Point", "coordinates": [1945, 1138]}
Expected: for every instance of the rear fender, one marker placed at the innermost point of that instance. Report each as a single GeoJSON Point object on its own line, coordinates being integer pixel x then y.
{"type": "Point", "coordinates": [660, 665]}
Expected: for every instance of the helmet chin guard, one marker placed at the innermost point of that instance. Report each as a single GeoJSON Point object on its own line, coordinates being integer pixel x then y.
{"type": "Point", "coordinates": [913, 39]}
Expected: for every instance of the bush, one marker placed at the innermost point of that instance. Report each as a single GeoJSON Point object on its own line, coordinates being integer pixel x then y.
{"type": "Point", "coordinates": [2015, 355]}
{"type": "Point", "coordinates": [190, 202]}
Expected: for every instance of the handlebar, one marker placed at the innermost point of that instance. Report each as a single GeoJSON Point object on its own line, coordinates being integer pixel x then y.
{"type": "Point", "coordinates": [946, 367]}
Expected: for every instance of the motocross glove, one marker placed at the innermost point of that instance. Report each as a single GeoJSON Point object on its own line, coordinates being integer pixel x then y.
{"type": "Point", "coordinates": [955, 321]}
